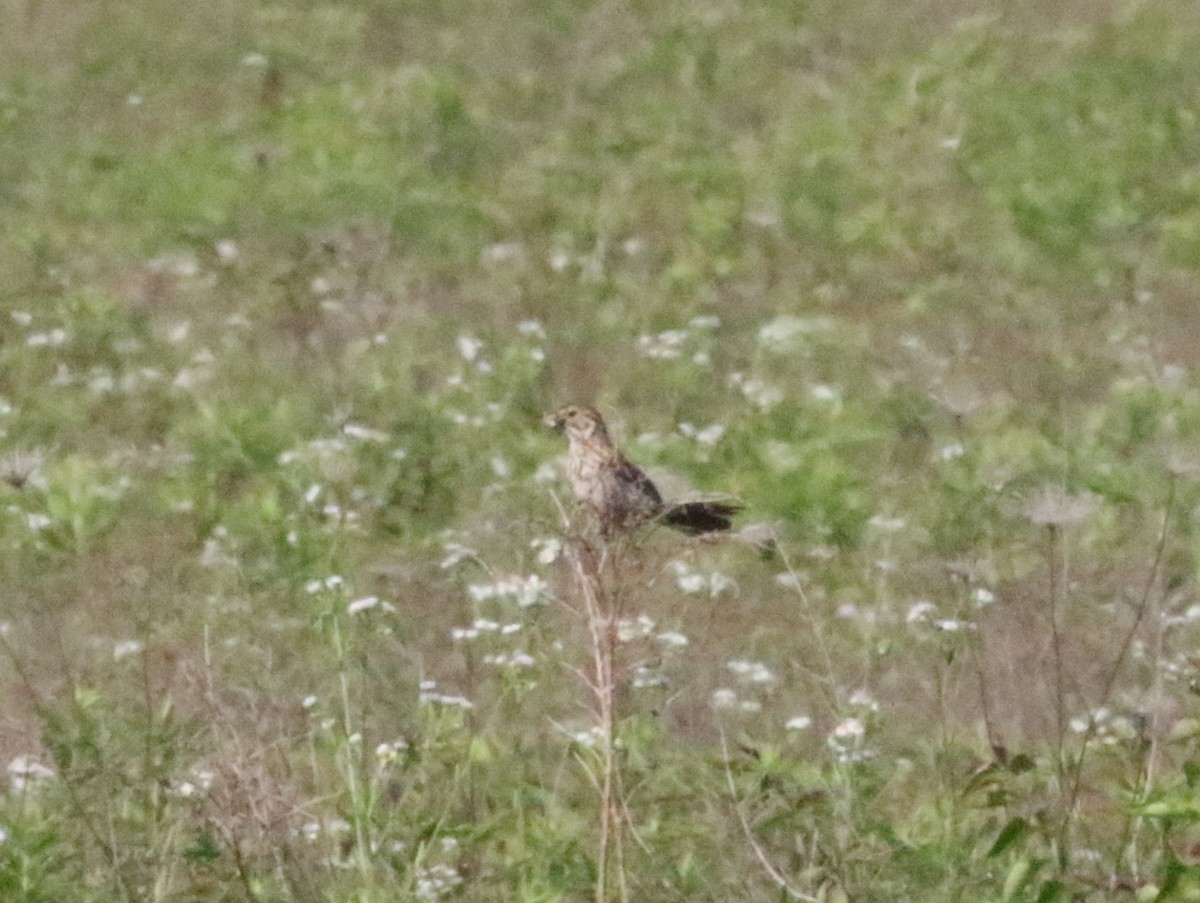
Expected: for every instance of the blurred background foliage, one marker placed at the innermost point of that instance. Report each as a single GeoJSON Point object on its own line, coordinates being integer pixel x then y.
{"type": "Point", "coordinates": [284, 287]}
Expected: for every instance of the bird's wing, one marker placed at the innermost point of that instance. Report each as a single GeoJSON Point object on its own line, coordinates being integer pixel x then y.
{"type": "Point", "coordinates": [634, 477]}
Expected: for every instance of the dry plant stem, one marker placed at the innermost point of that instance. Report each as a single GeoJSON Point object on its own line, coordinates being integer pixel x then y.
{"type": "Point", "coordinates": [1110, 680]}
{"type": "Point", "coordinates": [1060, 707]}
{"type": "Point", "coordinates": [349, 763]}
{"type": "Point", "coordinates": [106, 845]}
{"type": "Point", "coordinates": [598, 572]}
{"type": "Point", "coordinates": [759, 853]}
{"type": "Point", "coordinates": [1150, 768]}
{"type": "Point", "coordinates": [826, 680]}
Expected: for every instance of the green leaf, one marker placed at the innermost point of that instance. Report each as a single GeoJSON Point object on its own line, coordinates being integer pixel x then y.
{"type": "Point", "coordinates": [1051, 891]}
{"type": "Point", "coordinates": [1009, 834]}
{"type": "Point", "coordinates": [1017, 875]}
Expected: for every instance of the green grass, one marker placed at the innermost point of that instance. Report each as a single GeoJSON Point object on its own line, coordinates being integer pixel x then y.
{"type": "Point", "coordinates": [284, 289]}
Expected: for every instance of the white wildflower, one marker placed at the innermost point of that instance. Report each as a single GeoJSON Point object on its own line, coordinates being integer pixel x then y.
{"type": "Point", "coordinates": [25, 772]}
{"type": "Point", "coordinates": [227, 250]}
{"type": "Point", "coordinates": [863, 698]}
{"type": "Point", "coordinates": [983, 596]}
{"type": "Point", "coordinates": [126, 648]}
{"type": "Point", "coordinates": [920, 612]}
{"type": "Point", "coordinates": [724, 698]}
{"type": "Point", "coordinates": [363, 604]}
{"type": "Point", "coordinates": [469, 347]}
{"type": "Point", "coordinates": [849, 729]}
{"type": "Point", "coordinates": [664, 345]}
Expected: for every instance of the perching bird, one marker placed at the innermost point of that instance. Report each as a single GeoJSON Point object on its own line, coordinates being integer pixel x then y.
{"type": "Point", "coordinates": [616, 490]}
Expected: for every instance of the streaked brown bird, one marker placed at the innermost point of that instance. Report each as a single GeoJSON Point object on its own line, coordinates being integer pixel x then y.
{"type": "Point", "coordinates": [616, 490]}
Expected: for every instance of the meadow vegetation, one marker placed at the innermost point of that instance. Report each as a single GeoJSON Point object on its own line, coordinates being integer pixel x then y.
{"type": "Point", "coordinates": [288, 610]}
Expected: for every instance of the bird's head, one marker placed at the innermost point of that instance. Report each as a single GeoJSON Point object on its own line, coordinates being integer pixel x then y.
{"type": "Point", "coordinates": [576, 421]}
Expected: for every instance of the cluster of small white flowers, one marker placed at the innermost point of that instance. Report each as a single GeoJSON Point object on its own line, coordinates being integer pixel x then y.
{"type": "Point", "coordinates": [630, 629]}
{"type": "Point", "coordinates": [389, 752]}
{"type": "Point", "coordinates": [672, 639]}
{"type": "Point", "coordinates": [469, 347]}
{"type": "Point", "coordinates": [50, 339]}
{"type": "Point", "coordinates": [361, 433]}
{"type": "Point", "coordinates": [502, 252]}
{"type": "Point", "coordinates": [923, 613]}
{"type": "Point", "coordinates": [645, 677]}
{"type": "Point", "coordinates": [481, 626]}
{"type": "Point", "coordinates": [334, 827]}
{"type": "Point", "coordinates": [492, 413]}
{"type": "Point", "coordinates": [428, 695]}
{"type": "Point", "coordinates": [788, 580]}
{"type": "Point", "coordinates": [751, 672]}
{"type": "Point", "coordinates": [848, 729]}
{"type": "Point", "coordinates": [984, 596]}
{"type": "Point", "coordinates": [693, 582]}
{"type": "Point", "coordinates": [22, 467]}
{"type": "Point", "coordinates": [366, 603]}
{"type": "Point", "coordinates": [846, 741]}
{"type": "Point", "coordinates": [331, 583]}
{"type": "Point", "coordinates": [227, 250]}
{"type": "Point", "coordinates": [456, 553]}
{"type": "Point", "coordinates": [951, 451]}
{"type": "Point", "coordinates": [1112, 728]}
{"type": "Point", "coordinates": [515, 659]}
{"type": "Point", "coordinates": [436, 881]}
{"type": "Point", "coordinates": [862, 698]}
{"type": "Point", "coordinates": [200, 371]}
{"type": "Point", "coordinates": [37, 522]}
{"type": "Point", "coordinates": [198, 782]}
{"type": "Point", "coordinates": [525, 591]}
{"type": "Point", "coordinates": [798, 723]}
{"type": "Point", "coordinates": [548, 550]}
{"type": "Point", "coordinates": [824, 392]}
{"type": "Point", "coordinates": [126, 648]}
{"type": "Point", "coordinates": [786, 332]}
{"type": "Point", "coordinates": [26, 772]}
{"type": "Point", "coordinates": [1188, 616]}
{"type": "Point", "coordinates": [548, 471]}
{"type": "Point", "coordinates": [583, 736]}
{"type": "Point", "coordinates": [852, 611]}
{"type": "Point", "coordinates": [726, 699]}
{"type": "Point", "coordinates": [532, 329]}
{"type": "Point", "coordinates": [671, 343]}
{"type": "Point", "coordinates": [666, 345]}
{"type": "Point", "coordinates": [758, 392]}
{"type": "Point", "coordinates": [885, 524]}
{"type": "Point", "coordinates": [215, 553]}
{"type": "Point", "coordinates": [707, 436]}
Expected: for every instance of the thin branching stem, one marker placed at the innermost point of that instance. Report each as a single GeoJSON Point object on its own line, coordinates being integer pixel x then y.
{"type": "Point", "coordinates": [1060, 705]}
{"type": "Point", "coordinates": [1139, 615]}
{"type": "Point", "coordinates": [759, 853]}
{"type": "Point", "coordinates": [598, 573]}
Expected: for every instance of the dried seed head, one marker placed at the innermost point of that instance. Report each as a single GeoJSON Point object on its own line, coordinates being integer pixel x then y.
{"type": "Point", "coordinates": [1055, 507]}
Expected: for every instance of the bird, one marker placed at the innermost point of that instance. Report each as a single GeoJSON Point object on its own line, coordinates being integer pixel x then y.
{"type": "Point", "coordinates": [619, 494]}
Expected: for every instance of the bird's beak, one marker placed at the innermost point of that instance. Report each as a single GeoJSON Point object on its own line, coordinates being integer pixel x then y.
{"type": "Point", "coordinates": [553, 421]}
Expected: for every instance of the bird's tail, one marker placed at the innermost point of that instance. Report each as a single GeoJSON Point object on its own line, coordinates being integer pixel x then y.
{"type": "Point", "coordinates": [695, 518]}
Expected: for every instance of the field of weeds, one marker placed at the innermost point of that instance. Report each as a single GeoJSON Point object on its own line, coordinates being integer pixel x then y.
{"type": "Point", "coordinates": [296, 604]}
